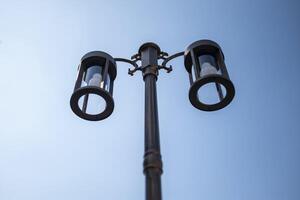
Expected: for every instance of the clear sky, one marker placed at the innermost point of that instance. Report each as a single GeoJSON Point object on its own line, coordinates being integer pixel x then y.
{"type": "Point", "coordinates": [247, 151]}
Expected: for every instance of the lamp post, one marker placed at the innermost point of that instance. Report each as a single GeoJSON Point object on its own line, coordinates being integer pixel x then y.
{"type": "Point", "coordinates": [204, 62]}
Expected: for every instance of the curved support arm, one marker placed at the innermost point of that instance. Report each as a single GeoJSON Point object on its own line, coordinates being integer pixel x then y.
{"type": "Point", "coordinates": [132, 62]}
{"type": "Point", "coordinates": [164, 63]}
{"type": "Point", "coordinates": [127, 61]}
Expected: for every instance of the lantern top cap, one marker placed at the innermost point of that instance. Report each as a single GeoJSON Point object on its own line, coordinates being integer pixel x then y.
{"type": "Point", "coordinates": [98, 57]}
{"type": "Point", "coordinates": [202, 44]}
{"type": "Point", "coordinates": [98, 54]}
{"type": "Point", "coordinates": [150, 44]}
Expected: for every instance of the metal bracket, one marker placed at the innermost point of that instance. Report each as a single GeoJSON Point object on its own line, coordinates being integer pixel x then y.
{"type": "Point", "coordinates": [137, 57]}
{"type": "Point", "coordinates": [166, 60]}
{"type": "Point", "coordinates": [163, 55]}
{"type": "Point", "coordinates": [132, 62]}
{"type": "Point", "coordinates": [132, 71]}
{"type": "Point", "coordinates": [168, 69]}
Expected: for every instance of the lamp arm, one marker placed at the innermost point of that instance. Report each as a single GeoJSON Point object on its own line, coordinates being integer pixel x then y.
{"type": "Point", "coordinates": [164, 63]}
{"type": "Point", "coordinates": [127, 61]}
{"type": "Point", "coordinates": [133, 63]}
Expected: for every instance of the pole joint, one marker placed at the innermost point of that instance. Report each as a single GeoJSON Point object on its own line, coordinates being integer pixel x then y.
{"type": "Point", "coordinates": [152, 160]}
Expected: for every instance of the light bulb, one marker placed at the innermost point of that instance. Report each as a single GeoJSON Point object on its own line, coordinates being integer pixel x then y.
{"type": "Point", "coordinates": [207, 68]}
{"type": "Point", "coordinates": [83, 83]}
{"type": "Point", "coordinates": [95, 80]}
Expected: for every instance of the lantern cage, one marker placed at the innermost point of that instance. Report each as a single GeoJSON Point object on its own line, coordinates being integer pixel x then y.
{"type": "Point", "coordinates": [95, 80]}
{"type": "Point", "coordinates": [204, 61]}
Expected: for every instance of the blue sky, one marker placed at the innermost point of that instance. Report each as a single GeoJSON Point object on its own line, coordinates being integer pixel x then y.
{"type": "Point", "coordinates": [249, 150]}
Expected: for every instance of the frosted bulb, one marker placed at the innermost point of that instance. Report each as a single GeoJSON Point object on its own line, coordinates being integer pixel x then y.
{"type": "Point", "coordinates": [95, 80]}
{"type": "Point", "coordinates": [207, 68]}
{"type": "Point", "coordinates": [83, 83]}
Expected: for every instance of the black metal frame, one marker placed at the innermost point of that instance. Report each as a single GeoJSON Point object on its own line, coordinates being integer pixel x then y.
{"type": "Point", "coordinates": [149, 54]}
{"type": "Point", "coordinates": [94, 58]}
{"type": "Point", "coordinates": [207, 47]}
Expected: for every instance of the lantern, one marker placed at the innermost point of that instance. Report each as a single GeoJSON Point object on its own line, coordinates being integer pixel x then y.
{"type": "Point", "coordinates": [94, 86]}
{"type": "Point", "coordinates": [204, 61]}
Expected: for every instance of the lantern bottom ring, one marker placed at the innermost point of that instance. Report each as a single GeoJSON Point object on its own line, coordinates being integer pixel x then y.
{"type": "Point", "coordinates": [193, 93]}
{"type": "Point", "coordinates": [92, 90]}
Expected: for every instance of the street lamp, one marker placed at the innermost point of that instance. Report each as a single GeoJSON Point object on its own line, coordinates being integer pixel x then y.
{"type": "Point", "coordinates": [96, 74]}
{"type": "Point", "coordinates": [204, 62]}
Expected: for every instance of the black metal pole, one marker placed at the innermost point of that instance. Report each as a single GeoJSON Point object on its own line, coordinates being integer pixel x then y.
{"type": "Point", "coordinates": [152, 158]}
